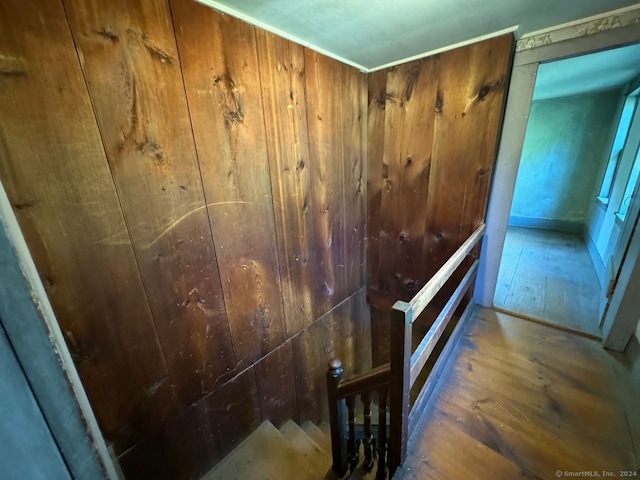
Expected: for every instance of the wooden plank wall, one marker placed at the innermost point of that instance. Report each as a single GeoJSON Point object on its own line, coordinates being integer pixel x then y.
{"type": "Point", "coordinates": [192, 191]}
{"type": "Point", "coordinates": [434, 126]}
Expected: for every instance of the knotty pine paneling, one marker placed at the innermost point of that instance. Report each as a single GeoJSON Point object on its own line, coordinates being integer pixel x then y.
{"type": "Point", "coordinates": [411, 91]}
{"type": "Point", "coordinates": [377, 97]}
{"type": "Point", "coordinates": [276, 386]}
{"type": "Point", "coordinates": [442, 120]}
{"type": "Point", "coordinates": [180, 450]}
{"type": "Point", "coordinates": [53, 167]}
{"type": "Point", "coordinates": [192, 190]}
{"type": "Point", "coordinates": [285, 109]}
{"type": "Point", "coordinates": [131, 65]}
{"type": "Point", "coordinates": [342, 333]}
{"type": "Point", "coordinates": [222, 81]}
{"type": "Point", "coordinates": [336, 110]}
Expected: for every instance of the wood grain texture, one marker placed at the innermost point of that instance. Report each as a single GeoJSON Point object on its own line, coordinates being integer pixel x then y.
{"type": "Point", "coordinates": [466, 131]}
{"type": "Point", "coordinates": [276, 386]}
{"type": "Point", "coordinates": [336, 154]}
{"type": "Point", "coordinates": [442, 119]}
{"type": "Point", "coordinates": [549, 276]}
{"type": "Point", "coordinates": [179, 451]}
{"type": "Point", "coordinates": [411, 95]}
{"type": "Point", "coordinates": [377, 97]}
{"type": "Point", "coordinates": [131, 64]}
{"type": "Point", "coordinates": [231, 412]}
{"type": "Point", "coordinates": [283, 91]}
{"type": "Point", "coordinates": [522, 400]}
{"type": "Point", "coordinates": [342, 333]}
{"type": "Point", "coordinates": [220, 69]}
{"type": "Point", "coordinates": [54, 169]}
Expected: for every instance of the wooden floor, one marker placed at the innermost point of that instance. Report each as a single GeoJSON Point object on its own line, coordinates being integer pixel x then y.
{"type": "Point", "coordinates": [522, 400]}
{"type": "Point", "coordinates": [549, 276]}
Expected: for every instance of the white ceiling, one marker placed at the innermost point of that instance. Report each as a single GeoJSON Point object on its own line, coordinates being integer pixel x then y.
{"type": "Point", "coordinates": [588, 73]}
{"type": "Point", "coordinates": [370, 34]}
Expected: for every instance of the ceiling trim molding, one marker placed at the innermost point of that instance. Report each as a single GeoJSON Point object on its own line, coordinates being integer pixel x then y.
{"type": "Point", "coordinates": [265, 26]}
{"type": "Point", "coordinates": [464, 43]}
{"type": "Point", "coordinates": [580, 28]}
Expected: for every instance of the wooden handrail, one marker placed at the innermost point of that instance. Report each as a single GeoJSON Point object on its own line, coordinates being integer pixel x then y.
{"type": "Point", "coordinates": [419, 302]}
{"type": "Point", "coordinates": [421, 355]}
{"type": "Point", "coordinates": [364, 382]}
{"type": "Point", "coordinates": [396, 378]}
{"type": "Point", "coordinates": [405, 368]}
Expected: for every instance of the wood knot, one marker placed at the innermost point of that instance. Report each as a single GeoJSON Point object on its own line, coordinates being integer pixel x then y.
{"type": "Point", "coordinates": [484, 91]}
{"type": "Point", "coordinates": [439, 237]}
{"type": "Point", "coordinates": [104, 33]}
{"type": "Point", "coordinates": [404, 238]}
{"type": "Point", "coordinates": [439, 103]}
{"type": "Point", "coordinates": [409, 161]}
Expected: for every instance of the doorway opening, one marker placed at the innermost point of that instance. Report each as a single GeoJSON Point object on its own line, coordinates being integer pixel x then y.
{"type": "Point", "coordinates": [577, 174]}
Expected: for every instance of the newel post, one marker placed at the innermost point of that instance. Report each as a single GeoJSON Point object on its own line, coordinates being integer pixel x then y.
{"type": "Point", "coordinates": [400, 365]}
{"type": "Point", "coordinates": [337, 418]}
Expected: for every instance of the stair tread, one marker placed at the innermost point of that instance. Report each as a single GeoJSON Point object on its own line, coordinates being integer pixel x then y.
{"type": "Point", "coordinates": [306, 448]}
{"type": "Point", "coordinates": [325, 428]}
{"type": "Point", "coordinates": [323, 441]}
{"type": "Point", "coordinates": [265, 455]}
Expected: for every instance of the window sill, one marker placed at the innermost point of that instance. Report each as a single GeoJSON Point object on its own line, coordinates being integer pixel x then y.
{"type": "Point", "coordinates": [620, 218]}
{"type": "Point", "coordinates": [602, 201]}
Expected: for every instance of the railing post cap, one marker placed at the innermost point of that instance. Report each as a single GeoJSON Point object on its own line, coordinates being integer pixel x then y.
{"type": "Point", "coordinates": [335, 364]}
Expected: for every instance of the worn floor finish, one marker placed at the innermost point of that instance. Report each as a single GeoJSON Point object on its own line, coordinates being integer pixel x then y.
{"type": "Point", "coordinates": [549, 276]}
{"type": "Point", "coordinates": [523, 400]}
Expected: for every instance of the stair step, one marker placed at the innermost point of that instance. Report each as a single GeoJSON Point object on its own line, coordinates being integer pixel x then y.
{"type": "Point", "coordinates": [265, 455]}
{"type": "Point", "coordinates": [325, 428]}
{"type": "Point", "coordinates": [307, 449]}
{"type": "Point", "coordinates": [323, 441]}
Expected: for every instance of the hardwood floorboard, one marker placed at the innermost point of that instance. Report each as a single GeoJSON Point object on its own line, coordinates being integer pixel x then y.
{"type": "Point", "coordinates": [519, 399]}
{"type": "Point", "coordinates": [549, 276]}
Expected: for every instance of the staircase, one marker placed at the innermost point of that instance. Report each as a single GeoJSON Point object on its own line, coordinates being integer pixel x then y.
{"type": "Point", "coordinates": [291, 452]}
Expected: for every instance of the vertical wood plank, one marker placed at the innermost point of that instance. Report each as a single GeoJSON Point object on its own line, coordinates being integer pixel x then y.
{"type": "Point", "coordinates": [177, 452]}
{"type": "Point", "coordinates": [467, 126]}
{"type": "Point", "coordinates": [54, 169]}
{"type": "Point", "coordinates": [220, 70]}
{"type": "Point", "coordinates": [336, 156]}
{"type": "Point", "coordinates": [232, 412]}
{"type": "Point", "coordinates": [408, 139]}
{"type": "Point", "coordinates": [131, 64]}
{"type": "Point", "coordinates": [283, 91]}
{"type": "Point", "coordinates": [342, 333]}
{"type": "Point", "coordinates": [442, 120]}
{"type": "Point", "coordinates": [377, 93]}
{"type": "Point", "coordinates": [276, 386]}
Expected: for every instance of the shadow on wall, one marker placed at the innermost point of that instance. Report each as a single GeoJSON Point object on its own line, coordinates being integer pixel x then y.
{"type": "Point", "coordinates": [563, 150]}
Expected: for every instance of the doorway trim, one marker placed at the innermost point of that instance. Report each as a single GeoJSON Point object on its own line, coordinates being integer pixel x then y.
{"type": "Point", "coordinates": [37, 341]}
{"type": "Point", "coordinates": [525, 68]}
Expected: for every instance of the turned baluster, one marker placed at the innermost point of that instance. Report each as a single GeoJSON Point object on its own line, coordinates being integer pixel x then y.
{"type": "Point", "coordinates": [368, 437]}
{"type": "Point", "coordinates": [352, 450]}
{"type": "Point", "coordinates": [382, 434]}
{"type": "Point", "coordinates": [337, 418]}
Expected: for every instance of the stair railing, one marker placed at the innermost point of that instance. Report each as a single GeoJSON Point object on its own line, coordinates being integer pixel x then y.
{"type": "Point", "coordinates": [345, 434]}
{"type": "Point", "coordinates": [397, 377]}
